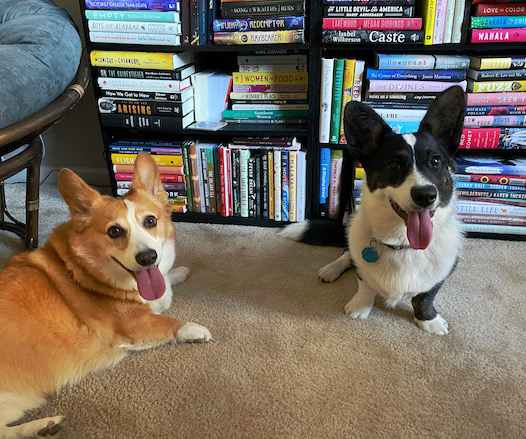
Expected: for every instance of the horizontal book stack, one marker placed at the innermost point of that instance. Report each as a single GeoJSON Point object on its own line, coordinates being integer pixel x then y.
{"type": "Point", "coordinates": [250, 177]}
{"type": "Point", "coordinates": [341, 82]}
{"type": "Point", "coordinates": [169, 159]}
{"type": "Point", "coordinates": [491, 194]}
{"type": "Point", "coordinates": [443, 21]}
{"type": "Point", "coordinates": [371, 21]}
{"type": "Point", "coordinates": [269, 89]}
{"type": "Point", "coordinates": [255, 22]}
{"type": "Point", "coordinates": [495, 21]}
{"type": "Point", "coordinates": [400, 87]}
{"type": "Point", "coordinates": [135, 22]}
{"type": "Point", "coordinates": [146, 90]}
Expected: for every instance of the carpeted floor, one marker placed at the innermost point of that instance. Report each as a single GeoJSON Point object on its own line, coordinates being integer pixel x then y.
{"type": "Point", "coordinates": [287, 363]}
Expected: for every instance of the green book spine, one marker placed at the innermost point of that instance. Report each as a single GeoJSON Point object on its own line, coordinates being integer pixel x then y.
{"type": "Point", "coordinates": [264, 114]}
{"type": "Point", "coordinates": [337, 90]}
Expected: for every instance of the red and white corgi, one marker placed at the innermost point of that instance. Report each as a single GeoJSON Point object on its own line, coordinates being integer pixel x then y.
{"type": "Point", "coordinates": [91, 295]}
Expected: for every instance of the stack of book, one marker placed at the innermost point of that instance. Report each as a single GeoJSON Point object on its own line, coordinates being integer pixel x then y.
{"type": "Point", "coordinates": [169, 158]}
{"type": "Point", "coordinates": [443, 21]}
{"type": "Point", "coordinates": [269, 89]}
{"type": "Point", "coordinates": [497, 21]}
{"type": "Point", "coordinates": [253, 22]}
{"type": "Point", "coordinates": [134, 22]}
{"type": "Point", "coordinates": [400, 87]}
{"type": "Point", "coordinates": [491, 194]}
{"type": "Point", "coordinates": [250, 177]}
{"type": "Point", "coordinates": [147, 90]}
{"type": "Point", "coordinates": [371, 21]}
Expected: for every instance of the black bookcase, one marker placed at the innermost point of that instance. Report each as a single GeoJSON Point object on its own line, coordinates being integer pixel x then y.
{"type": "Point", "coordinates": [225, 56]}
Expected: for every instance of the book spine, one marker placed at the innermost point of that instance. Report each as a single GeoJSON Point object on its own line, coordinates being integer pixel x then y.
{"type": "Point", "coordinates": [168, 186]}
{"type": "Point", "coordinates": [301, 183]}
{"type": "Point", "coordinates": [272, 59]}
{"type": "Point", "coordinates": [492, 193]}
{"type": "Point", "coordinates": [493, 179]}
{"type": "Point", "coordinates": [493, 229]}
{"type": "Point", "coordinates": [263, 68]}
{"type": "Point", "coordinates": [369, 2]}
{"type": "Point", "coordinates": [222, 178]}
{"type": "Point", "coordinates": [205, 200]}
{"type": "Point", "coordinates": [293, 172]}
{"type": "Point", "coordinates": [372, 23]}
{"type": "Point", "coordinates": [403, 115]}
{"type": "Point", "coordinates": [140, 60]}
{"type": "Point", "coordinates": [480, 138]}
{"type": "Point", "coordinates": [327, 76]}
{"type": "Point", "coordinates": [211, 178]}
{"type": "Point", "coordinates": [211, 15]}
{"type": "Point", "coordinates": [448, 26]}
{"type": "Point", "coordinates": [264, 185]}
{"type": "Point", "coordinates": [252, 24]}
{"type": "Point", "coordinates": [496, 75]}
{"type": "Point", "coordinates": [236, 183]}
{"type": "Point", "coordinates": [369, 36]}
{"type": "Point", "coordinates": [155, 5]}
{"type": "Point", "coordinates": [288, 121]}
{"type": "Point", "coordinates": [168, 170]}
{"type": "Point", "coordinates": [450, 62]}
{"type": "Point", "coordinates": [244, 155]}
{"type": "Point", "coordinates": [243, 9]}
{"type": "Point", "coordinates": [146, 95]}
{"type": "Point", "coordinates": [229, 181]}
{"type": "Point", "coordinates": [275, 88]}
{"type": "Point", "coordinates": [336, 166]}
{"type": "Point", "coordinates": [359, 67]}
{"type": "Point", "coordinates": [285, 185]}
{"type": "Point", "coordinates": [509, 62]}
{"type": "Point", "coordinates": [469, 207]}
{"type": "Point", "coordinates": [460, 6]}
{"type": "Point", "coordinates": [271, 203]}
{"type": "Point", "coordinates": [510, 98]}
{"type": "Point", "coordinates": [262, 97]}
{"type": "Point", "coordinates": [365, 11]}
{"type": "Point", "coordinates": [277, 184]}
{"type": "Point", "coordinates": [259, 37]}
{"type": "Point", "coordinates": [440, 21]}
{"type": "Point", "coordinates": [188, 177]}
{"type": "Point", "coordinates": [270, 106]}
{"type": "Point", "coordinates": [142, 16]}
{"type": "Point", "coordinates": [203, 35]}
{"type": "Point", "coordinates": [194, 172]}
{"type": "Point", "coordinates": [147, 122]}
{"type": "Point", "coordinates": [325, 162]}
{"type": "Point", "coordinates": [135, 38]}
{"type": "Point", "coordinates": [423, 97]}
{"type": "Point", "coordinates": [492, 219]}
{"type": "Point", "coordinates": [413, 86]}
{"type": "Point", "coordinates": [257, 177]}
{"type": "Point", "coordinates": [495, 9]}
{"type": "Point", "coordinates": [164, 178]}
{"type": "Point", "coordinates": [194, 22]}
{"type": "Point", "coordinates": [151, 85]}
{"type": "Point", "coordinates": [146, 74]}
{"type": "Point", "coordinates": [217, 179]}
{"type": "Point", "coordinates": [429, 21]}
{"type": "Point", "coordinates": [334, 130]}
{"type": "Point", "coordinates": [498, 121]}
{"type": "Point", "coordinates": [403, 127]}
{"type": "Point", "coordinates": [185, 22]}
{"type": "Point", "coordinates": [496, 111]}
{"type": "Point", "coordinates": [504, 21]}
{"type": "Point", "coordinates": [149, 108]}
{"type": "Point", "coordinates": [134, 27]}
{"type": "Point", "coordinates": [251, 172]}
{"type": "Point", "coordinates": [264, 141]}
{"type": "Point", "coordinates": [417, 75]}
{"type": "Point", "coordinates": [510, 35]}
{"type": "Point", "coordinates": [162, 160]}
{"type": "Point", "coordinates": [264, 114]}
{"type": "Point", "coordinates": [258, 78]}
{"type": "Point", "coordinates": [347, 90]}
{"type": "Point", "coordinates": [488, 186]}
{"type": "Point", "coordinates": [403, 61]}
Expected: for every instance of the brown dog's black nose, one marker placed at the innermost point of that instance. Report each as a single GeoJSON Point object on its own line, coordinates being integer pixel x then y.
{"type": "Point", "coordinates": [424, 196]}
{"type": "Point", "coordinates": [146, 258]}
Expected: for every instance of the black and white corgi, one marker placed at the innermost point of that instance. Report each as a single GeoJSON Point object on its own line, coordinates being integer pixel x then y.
{"type": "Point", "coordinates": [404, 238]}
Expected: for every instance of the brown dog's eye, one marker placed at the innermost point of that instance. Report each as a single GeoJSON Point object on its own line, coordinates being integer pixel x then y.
{"type": "Point", "coordinates": [150, 222]}
{"type": "Point", "coordinates": [115, 232]}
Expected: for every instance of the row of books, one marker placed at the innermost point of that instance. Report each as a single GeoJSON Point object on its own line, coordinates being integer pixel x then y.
{"type": "Point", "coordinates": [248, 177]}
{"type": "Point", "coordinates": [498, 21]}
{"type": "Point", "coordinates": [269, 89]}
{"type": "Point", "coordinates": [443, 21]}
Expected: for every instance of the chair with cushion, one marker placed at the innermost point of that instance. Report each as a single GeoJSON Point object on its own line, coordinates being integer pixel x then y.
{"type": "Point", "coordinates": [42, 76]}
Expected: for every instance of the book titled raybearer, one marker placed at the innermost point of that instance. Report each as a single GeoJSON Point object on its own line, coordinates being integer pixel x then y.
{"type": "Point", "coordinates": [154, 5]}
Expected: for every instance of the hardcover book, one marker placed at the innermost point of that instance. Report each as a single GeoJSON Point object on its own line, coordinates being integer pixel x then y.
{"type": "Point", "coordinates": [372, 36]}
{"type": "Point", "coordinates": [155, 5]}
{"type": "Point", "coordinates": [368, 11]}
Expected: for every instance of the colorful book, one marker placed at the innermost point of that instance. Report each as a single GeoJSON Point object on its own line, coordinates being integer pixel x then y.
{"type": "Point", "coordinates": [270, 8]}
{"type": "Point", "coordinates": [493, 138]}
{"type": "Point", "coordinates": [155, 5]}
{"type": "Point", "coordinates": [130, 15]}
{"type": "Point", "coordinates": [440, 21]}
{"type": "Point", "coordinates": [347, 94]}
{"type": "Point", "coordinates": [412, 86]}
{"type": "Point", "coordinates": [372, 23]}
{"type": "Point", "coordinates": [277, 184]}
{"type": "Point", "coordinates": [496, 62]}
{"type": "Point", "coordinates": [285, 185]}
{"type": "Point", "coordinates": [493, 179]}
{"type": "Point", "coordinates": [143, 60]}
{"type": "Point", "coordinates": [496, 111]}
{"type": "Point", "coordinates": [259, 37]}
{"type": "Point", "coordinates": [253, 24]}
{"type": "Point", "coordinates": [501, 74]}
{"type": "Point", "coordinates": [495, 121]}
{"type": "Point", "coordinates": [511, 35]}
{"type": "Point", "coordinates": [272, 59]}
{"type": "Point", "coordinates": [293, 185]}
{"type": "Point", "coordinates": [337, 88]}
{"type": "Point", "coordinates": [151, 85]}
{"type": "Point", "coordinates": [177, 74]}
{"type": "Point", "coordinates": [490, 165]}
{"type": "Point", "coordinates": [147, 122]}
{"type": "Point", "coordinates": [417, 75]}
{"type": "Point", "coordinates": [301, 185]}
{"type": "Point", "coordinates": [149, 107]}
{"type": "Point", "coordinates": [261, 78]}
{"type": "Point", "coordinates": [271, 170]}
{"type": "Point", "coordinates": [336, 167]}
{"type": "Point", "coordinates": [181, 96]}
{"type": "Point", "coordinates": [500, 22]}
{"type": "Point", "coordinates": [134, 27]}
{"type": "Point", "coordinates": [500, 9]}
{"type": "Point", "coordinates": [369, 11]}
{"type": "Point", "coordinates": [359, 67]}
{"type": "Point", "coordinates": [368, 36]}
{"type": "Point", "coordinates": [325, 163]}
{"type": "Point", "coordinates": [244, 155]}
{"type": "Point", "coordinates": [496, 86]}
{"type": "Point", "coordinates": [506, 98]}
{"type": "Point", "coordinates": [458, 20]}
{"type": "Point", "coordinates": [429, 21]}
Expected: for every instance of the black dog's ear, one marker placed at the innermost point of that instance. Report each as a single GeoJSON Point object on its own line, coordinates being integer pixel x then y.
{"type": "Point", "coordinates": [445, 118]}
{"type": "Point", "coordinates": [363, 128]}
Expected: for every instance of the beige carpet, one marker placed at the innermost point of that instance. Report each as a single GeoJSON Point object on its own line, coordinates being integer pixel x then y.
{"type": "Point", "coordinates": [286, 362]}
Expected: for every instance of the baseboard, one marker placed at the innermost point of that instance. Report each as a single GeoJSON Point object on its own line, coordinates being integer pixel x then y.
{"type": "Point", "coordinates": [48, 175]}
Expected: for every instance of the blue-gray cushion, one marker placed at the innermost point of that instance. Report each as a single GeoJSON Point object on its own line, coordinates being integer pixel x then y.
{"type": "Point", "coordinates": [40, 51]}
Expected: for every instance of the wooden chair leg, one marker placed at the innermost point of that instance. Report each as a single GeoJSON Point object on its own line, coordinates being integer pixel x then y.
{"type": "Point", "coordinates": [32, 195]}
{"type": "Point", "coordinates": [2, 201]}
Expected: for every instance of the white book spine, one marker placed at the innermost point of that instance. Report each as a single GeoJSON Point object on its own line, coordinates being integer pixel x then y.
{"type": "Point", "coordinates": [270, 107]}
{"type": "Point", "coordinates": [359, 68]}
{"type": "Point", "coordinates": [460, 6]}
{"type": "Point", "coordinates": [450, 16]}
{"type": "Point", "coordinates": [440, 21]}
{"type": "Point", "coordinates": [327, 70]}
{"type": "Point", "coordinates": [273, 68]}
{"type": "Point", "coordinates": [243, 171]}
{"type": "Point", "coordinates": [293, 172]}
{"type": "Point", "coordinates": [400, 114]}
{"type": "Point", "coordinates": [135, 38]}
{"type": "Point", "coordinates": [153, 85]}
{"type": "Point", "coordinates": [277, 185]}
{"type": "Point", "coordinates": [301, 182]}
{"type": "Point", "coordinates": [137, 27]}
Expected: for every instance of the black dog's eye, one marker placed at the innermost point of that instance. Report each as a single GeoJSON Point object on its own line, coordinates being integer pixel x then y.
{"type": "Point", "coordinates": [150, 222]}
{"type": "Point", "coordinates": [435, 160]}
{"type": "Point", "coordinates": [393, 165]}
{"type": "Point", "coordinates": [115, 232]}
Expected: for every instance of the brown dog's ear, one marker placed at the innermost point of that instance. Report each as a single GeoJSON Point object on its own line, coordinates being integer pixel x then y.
{"type": "Point", "coordinates": [76, 193]}
{"type": "Point", "coordinates": [363, 129]}
{"type": "Point", "coordinates": [445, 118]}
{"type": "Point", "coordinates": [146, 176]}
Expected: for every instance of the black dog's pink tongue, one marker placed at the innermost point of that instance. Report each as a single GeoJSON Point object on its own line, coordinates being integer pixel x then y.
{"type": "Point", "coordinates": [150, 283]}
{"type": "Point", "coordinates": [419, 229]}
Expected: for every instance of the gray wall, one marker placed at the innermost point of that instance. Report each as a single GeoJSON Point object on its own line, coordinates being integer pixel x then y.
{"type": "Point", "coordinates": [75, 142]}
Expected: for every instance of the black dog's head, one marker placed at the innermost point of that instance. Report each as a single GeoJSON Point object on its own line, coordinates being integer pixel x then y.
{"type": "Point", "coordinates": [412, 171]}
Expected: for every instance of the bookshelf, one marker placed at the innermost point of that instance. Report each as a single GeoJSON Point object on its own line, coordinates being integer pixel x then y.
{"type": "Point", "coordinates": [210, 55]}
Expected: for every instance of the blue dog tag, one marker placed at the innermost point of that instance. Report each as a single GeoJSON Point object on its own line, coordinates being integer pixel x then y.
{"type": "Point", "coordinates": [369, 254]}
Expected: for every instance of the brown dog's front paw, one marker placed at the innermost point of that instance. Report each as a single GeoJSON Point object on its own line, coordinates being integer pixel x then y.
{"type": "Point", "coordinates": [192, 333]}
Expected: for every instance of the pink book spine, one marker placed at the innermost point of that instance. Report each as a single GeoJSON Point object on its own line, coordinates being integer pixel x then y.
{"type": "Point", "coordinates": [506, 9]}
{"type": "Point", "coordinates": [440, 21]}
{"type": "Point", "coordinates": [412, 86]}
{"type": "Point", "coordinates": [487, 121]}
{"type": "Point", "coordinates": [373, 23]}
{"type": "Point", "coordinates": [477, 99]}
{"type": "Point", "coordinates": [512, 35]}
{"type": "Point", "coordinates": [479, 138]}
{"type": "Point", "coordinates": [228, 182]}
{"type": "Point", "coordinates": [277, 88]}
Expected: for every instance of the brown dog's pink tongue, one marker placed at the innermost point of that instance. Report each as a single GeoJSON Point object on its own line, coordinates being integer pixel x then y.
{"type": "Point", "coordinates": [150, 283]}
{"type": "Point", "coordinates": [419, 229]}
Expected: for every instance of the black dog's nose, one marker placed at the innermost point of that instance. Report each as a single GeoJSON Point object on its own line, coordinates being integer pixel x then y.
{"type": "Point", "coordinates": [424, 196]}
{"type": "Point", "coordinates": [146, 258]}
